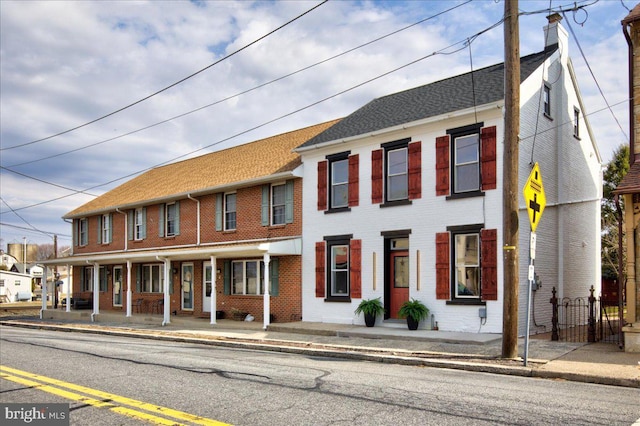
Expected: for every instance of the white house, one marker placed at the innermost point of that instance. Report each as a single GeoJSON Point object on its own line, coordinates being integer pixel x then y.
{"type": "Point", "coordinates": [404, 198]}
{"type": "Point", "coordinates": [14, 287]}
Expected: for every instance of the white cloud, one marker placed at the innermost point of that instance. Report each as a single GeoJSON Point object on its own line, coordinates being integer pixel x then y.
{"type": "Point", "coordinates": [65, 63]}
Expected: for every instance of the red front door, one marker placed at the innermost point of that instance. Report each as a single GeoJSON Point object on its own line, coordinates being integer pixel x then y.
{"type": "Point", "coordinates": [398, 281]}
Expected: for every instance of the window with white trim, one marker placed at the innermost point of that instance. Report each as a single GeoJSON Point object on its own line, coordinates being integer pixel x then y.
{"type": "Point", "coordinates": [466, 159]}
{"type": "Point", "coordinates": [83, 232]}
{"type": "Point", "coordinates": [152, 278]}
{"type": "Point", "coordinates": [278, 204]}
{"type": "Point", "coordinates": [247, 277]}
{"type": "Point", "coordinates": [87, 279]}
{"type": "Point", "coordinates": [467, 265]}
{"type": "Point", "coordinates": [338, 268]}
{"type": "Point", "coordinates": [339, 169]}
{"type": "Point", "coordinates": [230, 211]}
{"type": "Point", "coordinates": [105, 229]}
{"type": "Point", "coordinates": [139, 229]}
{"type": "Point", "coordinates": [397, 174]}
{"type": "Point", "coordinates": [171, 219]}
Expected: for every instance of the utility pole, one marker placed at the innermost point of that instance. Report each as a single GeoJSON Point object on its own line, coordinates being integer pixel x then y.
{"type": "Point", "coordinates": [510, 178]}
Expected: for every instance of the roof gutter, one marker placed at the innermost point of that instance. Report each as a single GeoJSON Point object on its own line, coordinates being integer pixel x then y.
{"type": "Point", "coordinates": [182, 195]}
{"type": "Point", "coordinates": [406, 126]}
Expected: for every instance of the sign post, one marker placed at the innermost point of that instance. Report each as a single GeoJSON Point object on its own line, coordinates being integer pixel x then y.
{"type": "Point", "coordinates": [535, 201]}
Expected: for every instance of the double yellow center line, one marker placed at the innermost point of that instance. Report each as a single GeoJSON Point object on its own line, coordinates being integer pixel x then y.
{"type": "Point", "coordinates": [119, 404]}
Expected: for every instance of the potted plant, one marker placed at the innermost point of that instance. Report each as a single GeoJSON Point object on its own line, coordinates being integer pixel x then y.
{"type": "Point", "coordinates": [414, 310]}
{"type": "Point", "coordinates": [370, 308]}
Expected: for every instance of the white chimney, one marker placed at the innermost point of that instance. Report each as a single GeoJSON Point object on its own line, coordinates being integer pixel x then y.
{"type": "Point", "coordinates": [555, 33]}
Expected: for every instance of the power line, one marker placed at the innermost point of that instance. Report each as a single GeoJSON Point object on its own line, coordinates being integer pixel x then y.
{"type": "Point", "coordinates": [170, 86]}
{"type": "Point", "coordinates": [31, 227]}
{"type": "Point", "coordinates": [245, 91]}
{"type": "Point", "coordinates": [595, 79]}
{"type": "Point", "coordinates": [443, 51]}
{"type": "Point", "coordinates": [77, 191]}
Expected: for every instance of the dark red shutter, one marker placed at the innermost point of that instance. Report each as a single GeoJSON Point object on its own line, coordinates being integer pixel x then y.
{"type": "Point", "coordinates": [415, 170]}
{"type": "Point", "coordinates": [355, 268]}
{"type": "Point", "coordinates": [320, 268]}
{"type": "Point", "coordinates": [354, 183]}
{"type": "Point", "coordinates": [488, 157]}
{"type": "Point", "coordinates": [322, 185]}
{"type": "Point", "coordinates": [489, 263]}
{"type": "Point", "coordinates": [442, 165]}
{"type": "Point", "coordinates": [443, 283]}
{"type": "Point", "coordinates": [376, 176]}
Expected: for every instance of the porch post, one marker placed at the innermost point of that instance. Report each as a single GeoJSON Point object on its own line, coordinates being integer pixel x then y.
{"type": "Point", "coordinates": [214, 273]}
{"type": "Point", "coordinates": [43, 290]}
{"type": "Point", "coordinates": [267, 304]}
{"type": "Point", "coordinates": [129, 292]}
{"type": "Point", "coordinates": [96, 291]}
{"type": "Point", "coordinates": [69, 285]}
{"type": "Point", "coordinates": [167, 298]}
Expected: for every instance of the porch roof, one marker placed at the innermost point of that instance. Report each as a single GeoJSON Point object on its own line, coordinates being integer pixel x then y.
{"type": "Point", "coordinates": [282, 247]}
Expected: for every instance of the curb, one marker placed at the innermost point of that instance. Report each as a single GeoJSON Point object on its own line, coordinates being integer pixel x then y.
{"type": "Point", "coordinates": [473, 363]}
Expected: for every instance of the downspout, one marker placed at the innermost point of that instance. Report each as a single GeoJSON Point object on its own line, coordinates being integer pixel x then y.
{"type": "Point", "coordinates": [632, 153]}
{"type": "Point", "coordinates": [621, 274]}
{"type": "Point", "coordinates": [167, 279]}
{"type": "Point", "coordinates": [96, 290]}
{"type": "Point", "coordinates": [214, 275]}
{"type": "Point", "coordinates": [267, 297]}
{"type": "Point", "coordinates": [70, 222]}
{"type": "Point", "coordinates": [126, 228]}
{"type": "Point", "coordinates": [197, 217]}
{"type": "Point", "coordinates": [129, 291]}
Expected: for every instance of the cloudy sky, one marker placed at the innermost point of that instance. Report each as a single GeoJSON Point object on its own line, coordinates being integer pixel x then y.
{"type": "Point", "coordinates": [64, 64]}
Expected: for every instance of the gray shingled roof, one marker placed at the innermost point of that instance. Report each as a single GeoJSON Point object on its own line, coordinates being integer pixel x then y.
{"type": "Point", "coordinates": [451, 94]}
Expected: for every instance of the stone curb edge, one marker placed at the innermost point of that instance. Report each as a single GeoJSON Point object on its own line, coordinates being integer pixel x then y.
{"type": "Point", "coordinates": [344, 353]}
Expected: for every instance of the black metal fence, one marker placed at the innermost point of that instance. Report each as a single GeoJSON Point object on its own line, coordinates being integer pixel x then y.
{"type": "Point", "coordinates": [585, 319]}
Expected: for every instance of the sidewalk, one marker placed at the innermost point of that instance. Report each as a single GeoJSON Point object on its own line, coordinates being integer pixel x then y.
{"type": "Point", "coordinates": [601, 363]}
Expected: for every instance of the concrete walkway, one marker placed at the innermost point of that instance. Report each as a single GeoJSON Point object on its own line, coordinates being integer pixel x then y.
{"type": "Point", "coordinates": [601, 363]}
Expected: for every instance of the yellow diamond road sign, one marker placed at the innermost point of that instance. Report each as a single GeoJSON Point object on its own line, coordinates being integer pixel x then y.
{"type": "Point", "coordinates": [534, 197]}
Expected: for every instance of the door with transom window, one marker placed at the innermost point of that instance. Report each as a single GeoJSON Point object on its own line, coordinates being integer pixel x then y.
{"type": "Point", "coordinates": [398, 279]}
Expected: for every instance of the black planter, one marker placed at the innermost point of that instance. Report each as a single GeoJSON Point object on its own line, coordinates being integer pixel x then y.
{"type": "Point", "coordinates": [412, 323]}
{"type": "Point", "coordinates": [369, 320]}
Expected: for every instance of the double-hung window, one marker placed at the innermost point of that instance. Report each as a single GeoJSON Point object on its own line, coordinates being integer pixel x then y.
{"type": "Point", "coordinates": [230, 211]}
{"type": "Point", "coordinates": [247, 277]}
{"type": "Point", "coordinates": [152, 278]}
{"type": "Point", "coordinates": [338, 264]}
{"type": "Point", "coordinates": [339, 181]}
{"type": "Point", "coordinates": [467, 265]}
{"type": "Point", "coordinates": [339, 270]}
{"type": "Point", "coordinates": [397, 174]}
{"type": "Point", "coordinates": [171, 219]}
{"type": "Point", "coordinates": [278, 204]}
{"type": "Point", "coordinates": [105, 229]}
{"type": "Point", "coordinates": [466, 150]}
{"type": "Point", "coordinates": [83, 232]}
{"type": "Point", "coordinates": [139, 227]}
